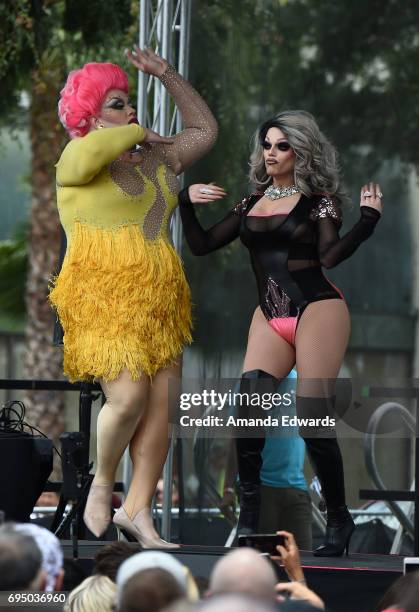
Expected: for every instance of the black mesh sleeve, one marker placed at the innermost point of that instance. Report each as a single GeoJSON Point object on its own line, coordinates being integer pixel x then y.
{"type": "Point", "coordinates": [332, 249]}
{"type": "Point", "coordinates": [203, 241]}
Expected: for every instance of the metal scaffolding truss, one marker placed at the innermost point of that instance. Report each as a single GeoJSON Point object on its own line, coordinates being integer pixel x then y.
{"type": "Point", "coordinates": [163, 27]}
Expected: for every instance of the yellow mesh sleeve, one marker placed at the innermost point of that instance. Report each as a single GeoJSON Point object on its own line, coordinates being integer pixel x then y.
{"type": "Point", "coordinates": [84, 157]}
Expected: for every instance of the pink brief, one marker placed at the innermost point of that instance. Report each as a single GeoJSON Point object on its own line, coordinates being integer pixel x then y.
{"type": "Point", "coordinates": [285, 327]}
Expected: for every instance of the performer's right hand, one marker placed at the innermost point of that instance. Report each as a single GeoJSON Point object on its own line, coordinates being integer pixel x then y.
{"type": "Point", "coordinates": [201, 193]}
{"type": "Point", "coordinates": [154, 137]}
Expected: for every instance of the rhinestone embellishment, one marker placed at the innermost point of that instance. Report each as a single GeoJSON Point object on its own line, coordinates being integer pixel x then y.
{"type": "Point", "coordinates": [326, 208]}
{"type": "Point", "coordinates": [277, 302]}
{"type": "Point", "coordinates": [274, 193]}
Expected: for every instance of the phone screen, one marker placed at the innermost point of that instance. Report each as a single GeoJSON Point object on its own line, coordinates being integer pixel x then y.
{"type": "Point", "coordinates": [264, 542]}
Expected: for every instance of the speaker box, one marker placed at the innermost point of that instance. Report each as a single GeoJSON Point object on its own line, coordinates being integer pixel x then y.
{"type": "Point", "coordinates": [25, 464]}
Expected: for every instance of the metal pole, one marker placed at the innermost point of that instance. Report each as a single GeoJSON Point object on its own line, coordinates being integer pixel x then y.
{"type": "Point", "coordinates": [142, 78]}
{"type": "Point", "coordinates": [183, 69]}
{"type": "Point", "coordinates": [416, 519]}
{"type": "Point", "coordinates": [165, 29]}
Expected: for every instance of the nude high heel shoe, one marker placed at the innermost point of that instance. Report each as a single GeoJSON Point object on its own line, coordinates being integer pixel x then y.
{"type": "Point", "coordinates": [97, 514]}
{"type": "Point", "coordinates": [141, 528]}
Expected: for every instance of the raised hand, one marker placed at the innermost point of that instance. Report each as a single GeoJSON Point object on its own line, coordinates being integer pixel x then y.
{"type": "Point", "coordinates": [201, 193]}
{"type": "Point", "coordinates": [147, 61]}
{"type": "Point", "coordinates": [154, 137]}
{"type": "Point", "coordinates": [371, 196]}
{"type": "Point", "coordinates": [290, 556]}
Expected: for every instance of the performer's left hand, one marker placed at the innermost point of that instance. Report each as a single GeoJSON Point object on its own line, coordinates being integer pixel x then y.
{"type": "Point", "coordinates": [290, 556]}
{"type": "Point", "coordinates": [147, 61]}
{"type": "Point", "coordinates": [202, 193]}
{"type": "Point", "coordinates": [371, 196]}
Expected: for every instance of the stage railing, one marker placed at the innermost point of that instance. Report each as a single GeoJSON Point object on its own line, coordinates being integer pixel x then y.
{"type": "Point", "coordinates": [382, 493]}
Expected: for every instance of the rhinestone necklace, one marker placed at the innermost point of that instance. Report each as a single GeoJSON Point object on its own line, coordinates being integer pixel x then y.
{"type": "Point", "coordinates": [274, 193]}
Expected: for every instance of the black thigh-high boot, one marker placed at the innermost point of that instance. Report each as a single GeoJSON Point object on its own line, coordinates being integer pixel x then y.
{"type": "Point", "coordinates": [326, 460]}
{"type": "Point", "coordinates": [249, 450]}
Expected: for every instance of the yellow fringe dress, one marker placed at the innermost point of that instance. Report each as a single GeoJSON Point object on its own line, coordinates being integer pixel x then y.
{"type": "Point", "coordinates": [121, 295]}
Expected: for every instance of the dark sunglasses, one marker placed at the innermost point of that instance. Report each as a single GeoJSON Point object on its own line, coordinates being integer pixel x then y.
{"type": "Point", "coordinates": [281, 146]}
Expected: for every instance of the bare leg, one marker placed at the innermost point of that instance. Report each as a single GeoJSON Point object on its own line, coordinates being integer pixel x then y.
{"type": "Point", "coordinates": [150, 443]}
{"type": "Point", "coordinates": [125, 402]}
{"type": "Point", "coordinates": [117, 420]}
{"type": "Point", "coordinates": [321, 340]}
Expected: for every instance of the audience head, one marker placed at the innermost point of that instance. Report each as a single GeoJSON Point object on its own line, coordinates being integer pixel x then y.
{"type": "Point", "coordinates": [173, 579]}
{"type": "Point", "coordinates": [51, 551]}
{"type": "Point", "coordinates": [109, 559]}
{"type": "Point", "coordinates": [236, 603]}
{"type": "Point", "coordinates": [150, 589]}
{"type": "Point", "coordinates": [244, 571]}
{"type": "Point", "coordinates": [410, 597]}
{"type": "Point", "coordinates": [399, 592]}
{"type": "Point", "coordinates": [94, 593]}
{"type": "Point", "coordinates": [20, 561]}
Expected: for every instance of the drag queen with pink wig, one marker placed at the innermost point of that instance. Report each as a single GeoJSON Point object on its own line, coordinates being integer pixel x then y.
{"type": "Point", "coordinates": [121, 294]}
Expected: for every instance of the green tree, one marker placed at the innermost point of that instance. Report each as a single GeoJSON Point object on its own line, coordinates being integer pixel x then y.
{"type": "Point", "coordinates": [43, 40]}
{"type": "Point", "coordinates": [353, 65]}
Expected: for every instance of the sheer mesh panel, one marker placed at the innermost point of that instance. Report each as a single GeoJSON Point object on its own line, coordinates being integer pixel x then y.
{"type": "Point", "coordinates": [287, 251]}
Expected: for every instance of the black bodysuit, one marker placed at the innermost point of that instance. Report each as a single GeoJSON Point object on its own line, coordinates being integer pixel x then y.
{"type": "Point", "coordinates": [287, 251]}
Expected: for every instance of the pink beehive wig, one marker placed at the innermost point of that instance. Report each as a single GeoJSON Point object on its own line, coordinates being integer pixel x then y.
{"type": "Point", "coordinates": [84, 92]}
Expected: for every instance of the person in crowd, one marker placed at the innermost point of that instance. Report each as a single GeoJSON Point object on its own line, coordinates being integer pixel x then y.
{"type": "Point", "coordinates": [20, 561]}
{"type": "Point", "coordinates": [246, 572]}
{"type": "Point", "coordinates": [121, 294]}
{"type": "Point", "coordinates": [109, 558]}
{"type": "Point", "coordinates": [93, 594]}
{"type": "Point", "coordinates": [51, 551]}
{"type": "Point", "coordinates": [138, 564]}
{"type": "Point", "coordinates": [285, 501]}
{"type": "Point", "coordinates": [151, 589]}
{"type": "Point", "coordinates": [403, 594]}
{"type": "Point", "coordinates": [291, 227]}
{"type": "Point", "coordinates": [289, 557]}
{"type": "Point", "coordinates": [237, 603]}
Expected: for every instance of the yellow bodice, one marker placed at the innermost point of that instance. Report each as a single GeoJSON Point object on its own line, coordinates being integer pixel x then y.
{"type": "Point", "coordinates": [98, 190]}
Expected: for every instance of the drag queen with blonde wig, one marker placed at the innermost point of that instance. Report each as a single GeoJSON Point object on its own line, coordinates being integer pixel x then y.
{"type": "Point", "coordinates": [121, 294]}
{"type": "Point", "coordinates": [291, 227]}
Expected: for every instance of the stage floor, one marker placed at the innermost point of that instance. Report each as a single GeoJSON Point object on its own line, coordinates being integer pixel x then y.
{"type": "Point", "coordinates": [356, 582]}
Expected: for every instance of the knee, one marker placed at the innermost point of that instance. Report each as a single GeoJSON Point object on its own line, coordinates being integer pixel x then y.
{"type": "Point", "coordinates": [126, 405]}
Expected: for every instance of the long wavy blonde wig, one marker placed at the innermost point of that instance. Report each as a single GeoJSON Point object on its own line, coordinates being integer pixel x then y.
{"type": "Point", "coordinates": [316, 169]}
